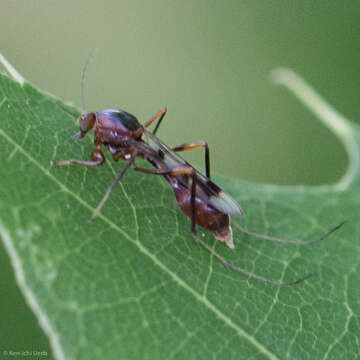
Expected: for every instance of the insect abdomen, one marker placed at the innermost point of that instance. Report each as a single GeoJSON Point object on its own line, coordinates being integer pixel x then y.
{"type": "Point", "coordinates": [206, 215]}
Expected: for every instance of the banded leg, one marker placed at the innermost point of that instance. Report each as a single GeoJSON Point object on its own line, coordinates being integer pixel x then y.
{"type": "Point", "coordinates": [158, 116]}
{"type": "Point", "coordinates": [97, 159]}
{"type": "Point", "coordinates": [166, 171]}
{"type": "Point", "coordinates": [196, 145]}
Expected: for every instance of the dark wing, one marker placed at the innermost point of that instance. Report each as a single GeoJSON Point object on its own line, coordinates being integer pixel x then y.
{"type": "Point", "coordinates": [214, 194]}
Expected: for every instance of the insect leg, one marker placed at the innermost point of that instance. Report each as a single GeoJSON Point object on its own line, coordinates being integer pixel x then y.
{"type": "Point", "coordinates": [97, 159]}
{"type": "Point", "coordinates": [190, 171]}
{"type": "Point", "coordinates": [158, 116]}
{"type": "Point", "coordinates": [196, 145]}
{"type": "Point", "coordinates": [110, 189]}
{"type": "Point", "coordinates": [284, 241]}
{"type": "Point", "coordinates": [248, 273]}
{"type": "Point", "coordinates": [166, 171]}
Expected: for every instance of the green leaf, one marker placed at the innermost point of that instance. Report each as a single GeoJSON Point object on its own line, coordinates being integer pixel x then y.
{"type": "Point", "coordinates": [135, 284]}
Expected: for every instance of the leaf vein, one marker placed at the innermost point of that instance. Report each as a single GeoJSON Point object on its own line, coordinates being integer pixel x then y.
{"type": "Point", "coordinates": [228, 321]}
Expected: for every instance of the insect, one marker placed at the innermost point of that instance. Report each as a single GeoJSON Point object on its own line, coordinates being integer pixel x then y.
{"type": "Point", "coordinates": [197, 196]}
{"type": "Point", "coordinates": [200, 199]}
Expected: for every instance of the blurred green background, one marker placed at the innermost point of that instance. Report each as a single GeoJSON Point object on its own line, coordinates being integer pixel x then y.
{"type": "Point", "coordinates": [208, 62]}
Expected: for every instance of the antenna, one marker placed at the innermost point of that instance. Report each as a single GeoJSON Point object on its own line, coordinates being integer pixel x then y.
{"type": "Point", "coordinates": [89, 58]}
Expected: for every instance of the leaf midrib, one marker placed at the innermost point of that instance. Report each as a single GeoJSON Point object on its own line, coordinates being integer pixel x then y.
{"type": "Point", "coordinates": [202, 299]}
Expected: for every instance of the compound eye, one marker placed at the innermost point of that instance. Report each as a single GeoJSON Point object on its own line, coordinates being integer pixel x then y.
{"type": "Point", "coordinates": [83, 118]}
{"type": "Point", "coordinates": [86, 121]}
{"type": "Point", "coordinates": [80, 119]}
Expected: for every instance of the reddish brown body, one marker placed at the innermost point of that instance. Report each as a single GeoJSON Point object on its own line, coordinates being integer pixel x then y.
{"type": "Point", "coordinates": [197, 196]}
{"type": "Point", "coordinates": [206, 215]}
{"type": "Point", "coordinates": [109, 130]}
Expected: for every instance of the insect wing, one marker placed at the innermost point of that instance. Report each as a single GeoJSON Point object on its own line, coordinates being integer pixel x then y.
{"type": "Point", "coordinates": [170, 157]}
{"type": "Point", "coordinates": [219, 198]}
{"type": "Point", "coordinates": [213, 194]}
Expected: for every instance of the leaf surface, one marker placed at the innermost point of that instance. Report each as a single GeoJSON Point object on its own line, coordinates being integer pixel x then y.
{"type": "Point", "coordinates": [135, 285]}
